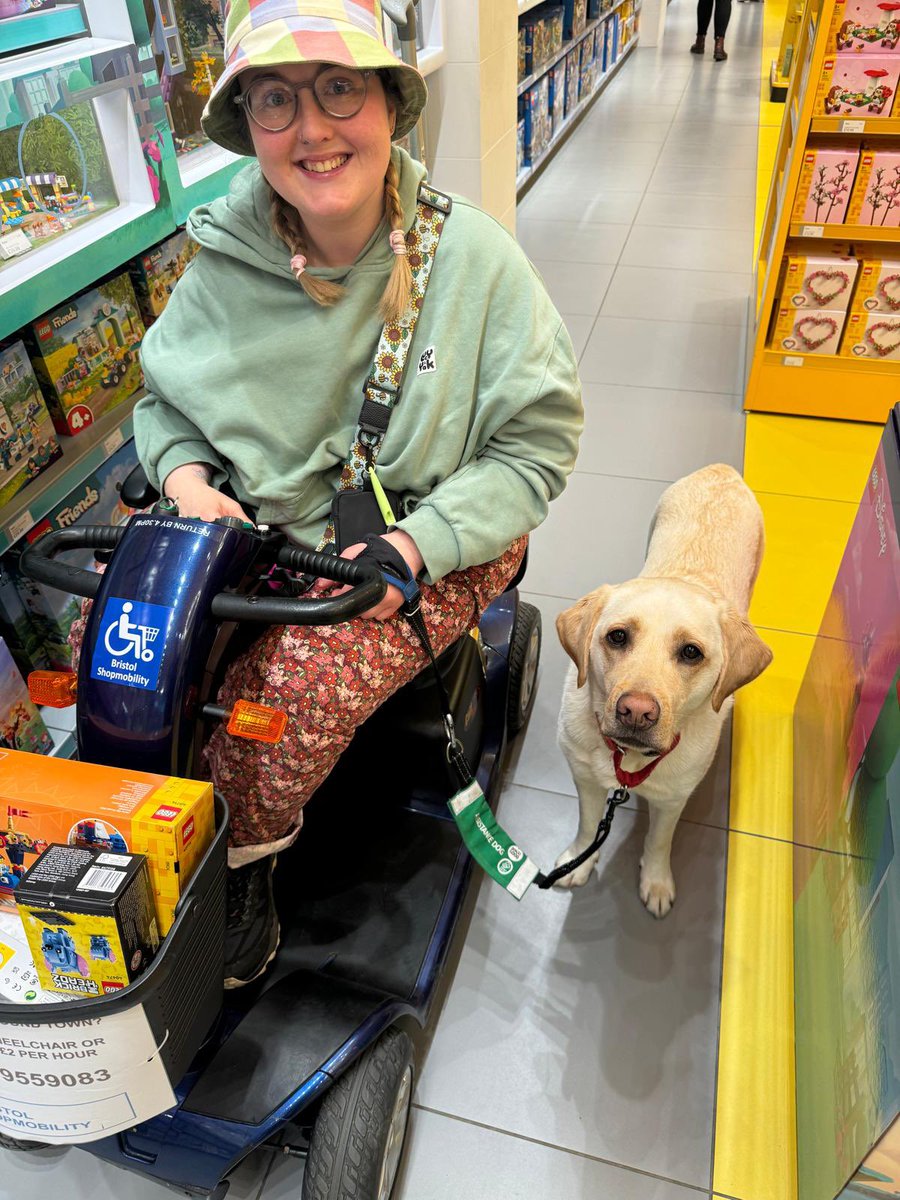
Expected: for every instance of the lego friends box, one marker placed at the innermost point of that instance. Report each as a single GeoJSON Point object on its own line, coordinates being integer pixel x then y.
{"type": "Point", "coordinates": [85, 354]}
{"type": "Point", "coordinates": [46, 800]}
{"type": "Point", "coordinates": [27, 442]}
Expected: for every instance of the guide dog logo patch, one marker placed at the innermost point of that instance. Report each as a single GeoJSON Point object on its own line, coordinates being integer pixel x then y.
{"type": "Point", "coordinates": [130, 646]}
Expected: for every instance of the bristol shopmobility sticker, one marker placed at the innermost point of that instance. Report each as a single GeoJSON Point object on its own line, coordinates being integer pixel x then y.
{"type": "Point", "coordinates": [130, 647]}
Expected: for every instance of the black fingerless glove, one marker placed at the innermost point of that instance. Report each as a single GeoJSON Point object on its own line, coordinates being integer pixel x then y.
{"type": "Point", "coordinates": [393, 567]}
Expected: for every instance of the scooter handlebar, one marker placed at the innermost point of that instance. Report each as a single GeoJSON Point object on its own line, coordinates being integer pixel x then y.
{"type": "Point", "coordinates": [37, 561]}
{"type": "Point", "coordinates": [366, 582]}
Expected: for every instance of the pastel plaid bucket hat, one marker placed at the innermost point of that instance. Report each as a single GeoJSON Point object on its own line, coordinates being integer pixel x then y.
{"type": "Point", "coordinates": [267, 33]}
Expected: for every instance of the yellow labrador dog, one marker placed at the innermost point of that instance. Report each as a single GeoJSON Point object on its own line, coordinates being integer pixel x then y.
{"type": "Point", "coordinates": [655, 662]}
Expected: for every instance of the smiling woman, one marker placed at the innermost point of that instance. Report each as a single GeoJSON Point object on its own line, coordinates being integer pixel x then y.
{"type": "Point", "coordinates": [309, 293]}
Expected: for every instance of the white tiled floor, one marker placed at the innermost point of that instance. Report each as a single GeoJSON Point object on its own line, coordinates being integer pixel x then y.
{"type": "Point", "coordinates": [576, 1052]}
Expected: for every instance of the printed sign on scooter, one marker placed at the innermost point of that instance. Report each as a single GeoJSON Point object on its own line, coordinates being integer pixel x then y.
{"type": "Point", "coordinates": [130, 646]}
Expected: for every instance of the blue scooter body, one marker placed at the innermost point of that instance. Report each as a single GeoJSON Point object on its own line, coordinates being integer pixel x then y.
{"type": "Point", "coordinates": [149, 637]}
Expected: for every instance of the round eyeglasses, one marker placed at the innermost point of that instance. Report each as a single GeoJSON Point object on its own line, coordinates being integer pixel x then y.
{"type": "Point", "coordinates": [272, 102]}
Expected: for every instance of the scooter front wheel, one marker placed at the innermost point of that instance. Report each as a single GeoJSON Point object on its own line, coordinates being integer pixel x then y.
{"type": "Point", "coordinates": [357, 1140]}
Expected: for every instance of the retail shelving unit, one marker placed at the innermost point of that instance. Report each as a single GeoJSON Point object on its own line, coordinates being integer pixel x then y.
{"type": "Point", "coordinates": [822, 385]}
{"type": "Point", "coordinates": [100, 54]}
{"type": "Point", "coordinates": [37, 28]}
{"type": "Point", "coordinates": [527, 175]}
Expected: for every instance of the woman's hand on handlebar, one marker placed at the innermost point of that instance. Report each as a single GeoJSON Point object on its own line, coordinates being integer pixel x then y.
{"type": "Point", "coordinates": [190, 488]}
{"type": "Point", "coordinates": [393, 597]}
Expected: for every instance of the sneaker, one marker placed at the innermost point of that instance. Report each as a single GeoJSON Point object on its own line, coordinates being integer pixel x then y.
{"type": "Point", "coordinates": [251, 931]}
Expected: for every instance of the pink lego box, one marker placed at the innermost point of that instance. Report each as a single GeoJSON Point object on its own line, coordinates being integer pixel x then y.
{"type": "Point", "coordinates": [876, 193]}
{"type": "Point", "coordinates": [818, 281]}
{"type": "Point", "coordinates": [826, 178]}
{"type": "Point", "coordinates": [865, 26]}
{"type": "Point", "coordinates": [872, 335]}
{"type": "Point", "coordinates": [808, 331]}
{"type": "Point", "coordinates": [858, 85]}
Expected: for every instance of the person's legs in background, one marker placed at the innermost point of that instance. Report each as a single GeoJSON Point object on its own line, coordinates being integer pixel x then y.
{"type": "Point", "coordinates": [720, 25]}
{"type": "Point", "coordinates": [704, 14]}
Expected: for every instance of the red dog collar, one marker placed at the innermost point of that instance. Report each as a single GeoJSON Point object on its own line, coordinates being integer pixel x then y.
{"type": "Point", "coordinates": [633, 779]}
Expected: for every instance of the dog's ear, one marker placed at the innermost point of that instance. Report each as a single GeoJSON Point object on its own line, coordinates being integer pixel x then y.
{"type": "Point", "coordinates": [745, 656]}
{"type": "Point", "coordinates": [576, 626]}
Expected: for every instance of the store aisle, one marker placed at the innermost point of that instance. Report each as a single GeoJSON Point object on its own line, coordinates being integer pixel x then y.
{"type": "Point", "coordinates": [576, 1054]}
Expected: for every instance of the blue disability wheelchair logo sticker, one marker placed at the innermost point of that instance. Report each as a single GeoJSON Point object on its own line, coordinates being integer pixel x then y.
{"type": "Point", "coordinates": [130, 646]}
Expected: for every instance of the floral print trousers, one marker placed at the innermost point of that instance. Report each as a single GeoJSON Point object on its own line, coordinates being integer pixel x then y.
{"type": "Point", "coordinates": [328, 679]}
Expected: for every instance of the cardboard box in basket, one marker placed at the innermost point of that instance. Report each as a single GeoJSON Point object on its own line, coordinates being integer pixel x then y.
{"type": "Point", "coordinates": [45, 800]}
{"type": "Point", "coordinates": [89, 919]}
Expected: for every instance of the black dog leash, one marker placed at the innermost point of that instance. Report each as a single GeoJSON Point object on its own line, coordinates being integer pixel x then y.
{"type": "Point", "coordinates": [489, 844]}
{"type": "Point", "coordinates": [616, 797]}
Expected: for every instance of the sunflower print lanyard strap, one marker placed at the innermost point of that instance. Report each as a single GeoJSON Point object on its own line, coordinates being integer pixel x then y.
{"type": "Point", "coordinates": [381, 390]}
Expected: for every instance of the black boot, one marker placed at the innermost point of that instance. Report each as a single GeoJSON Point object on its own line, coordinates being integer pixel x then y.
{"type": "Point", "coordinates": [719, 54]}
{"type": "Point", "coordinates": [700, 45]}
{"type": "Point", "coordinates": [251, 932]}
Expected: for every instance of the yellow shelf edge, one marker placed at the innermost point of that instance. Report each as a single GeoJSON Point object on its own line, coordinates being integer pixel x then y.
{"type": "Point", "coordinates": [852, 233]}
{"type": "Point", "coordinates": [885, 126]}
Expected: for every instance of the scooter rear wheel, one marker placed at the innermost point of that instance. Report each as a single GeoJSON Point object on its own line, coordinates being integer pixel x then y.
{"type": "Point", "coordinates": [524, 656]}
{"type": "Point", "coordinates": [357, 1140]}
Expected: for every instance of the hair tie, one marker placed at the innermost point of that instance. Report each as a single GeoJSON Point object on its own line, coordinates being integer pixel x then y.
{"type": "Point", "coordinates": [298, 265]}
{"type": "Point", "coordinates": [398, 241]}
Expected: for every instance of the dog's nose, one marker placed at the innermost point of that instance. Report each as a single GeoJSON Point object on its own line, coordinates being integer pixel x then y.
{"type": "Point", "coordinates": [637, 710]}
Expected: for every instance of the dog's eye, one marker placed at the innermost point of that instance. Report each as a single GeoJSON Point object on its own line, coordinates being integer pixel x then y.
{"type": "Point", "coordinates": [617, 637]}
{"type": "Point", "coordinates": [691, 653]}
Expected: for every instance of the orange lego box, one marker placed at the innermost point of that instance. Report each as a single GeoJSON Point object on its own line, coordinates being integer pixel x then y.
{"type": "Point", "coordinates": [44, 800]}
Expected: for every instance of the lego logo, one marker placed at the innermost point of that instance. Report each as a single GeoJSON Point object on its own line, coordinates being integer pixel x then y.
{"type": "Point", "coordinates": [188, 832]}
{"type": "Point", "coordinates": [166, 814]}
{"type": "Point", "coordinates": [44, 331]}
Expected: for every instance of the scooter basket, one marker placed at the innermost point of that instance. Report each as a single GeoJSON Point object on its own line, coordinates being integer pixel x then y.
{"type": "Point", "coordinates": [181, 990]}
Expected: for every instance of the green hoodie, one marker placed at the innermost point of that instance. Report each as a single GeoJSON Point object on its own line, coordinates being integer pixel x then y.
{"type": "Point", "coordinates": [247, 374]}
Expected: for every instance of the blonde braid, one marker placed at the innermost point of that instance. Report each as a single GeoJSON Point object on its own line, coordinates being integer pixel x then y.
{"type": "Point", "coordinates": [395, 298]}
{"type": "Point", "coordinates": [287, 225]}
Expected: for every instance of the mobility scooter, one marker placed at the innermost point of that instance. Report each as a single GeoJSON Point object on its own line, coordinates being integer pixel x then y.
{"type": "Point", "coordinates": [317, 1054]}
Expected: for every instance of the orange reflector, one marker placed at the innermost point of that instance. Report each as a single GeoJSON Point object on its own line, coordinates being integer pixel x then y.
{"type": "Point", "coordinates": [257, 721]}
{"type": "Point", "coordinates": [53, 688]}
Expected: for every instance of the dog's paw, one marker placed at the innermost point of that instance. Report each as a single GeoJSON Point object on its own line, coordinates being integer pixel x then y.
{"type": "Point", "coordinates": [580, 875]}
{"type": "Point", "coordinates": [657, 890]}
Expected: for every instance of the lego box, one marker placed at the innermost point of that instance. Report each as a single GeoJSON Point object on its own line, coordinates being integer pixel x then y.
{"type": "Point", "coordinates": [808, 331]}
{"type": "Point", "coordinates": [872, 335]}
{"type": "Point", "coordinates": [878, 286]}
{"type": "Point", "coordinates": [28, 444]}
{"type": "Point", "coordinates": [858, 85]}
{"type": "Point", "coordinates": [823, 189]}
{"type": "Point", "coordinates": [85, 354]}
{"type": "Point", "coordinates": [820, 281]}
{"type": "Point", "coordinates": [155, 273]}
{"type": "Point", "coordinates": [21, 725]}
{"type": "Point", "coordinates": [557, 96]}
{"type": "Point", "coordinates": [18, 629]}
{"type": "Point", "coordinates": [89, 919]}
{"type": "Point", "coordinates": [864, 27]}
{"type": "Point", "coordinates": [46, 800]}
{"type": "Point", "coordinates": [876, 193]}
